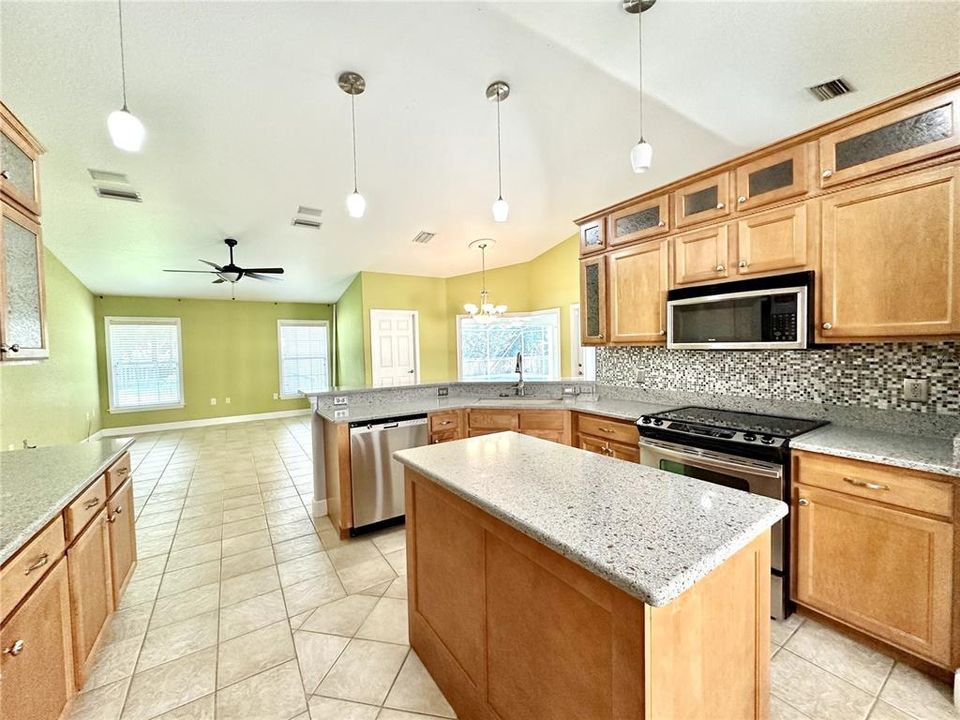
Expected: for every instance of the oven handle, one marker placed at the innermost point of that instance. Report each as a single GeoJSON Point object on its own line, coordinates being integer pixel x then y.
{"type": "Point", "coordinates": [752, 467]}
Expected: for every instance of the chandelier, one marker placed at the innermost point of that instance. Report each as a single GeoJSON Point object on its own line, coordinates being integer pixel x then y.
{"type": "Point", "coordinates": [486, 310]}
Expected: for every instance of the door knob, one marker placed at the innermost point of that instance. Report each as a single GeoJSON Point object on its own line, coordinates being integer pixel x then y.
{"type": "Point", "coordinates": [742, 263]}
{"type": "Point", "coordinates": [720, 268]}
{"type": "Point", "coordinates": [827, 326]}
{"type": "Point", "coordinates": [803, 501]}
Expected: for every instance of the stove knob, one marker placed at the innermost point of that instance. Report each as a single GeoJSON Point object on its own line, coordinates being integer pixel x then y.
{"type": "Point", "coordinates": [646, 420]}
{"type": "Point", "coordinates": [767, 439]}
{"type": "Point", "coordinates": [658, 422]}
{"type": "Point", "coordinates": [749, 437]}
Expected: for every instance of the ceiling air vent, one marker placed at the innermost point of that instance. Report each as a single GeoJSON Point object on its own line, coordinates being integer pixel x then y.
{"type": "Point", "coordinates": [423, 237]}
{"type": "Point", "coordinates": [304, 210]}
{"type": "Point", "coordinates": [106, 176]}
{"type": "Point", "coordinates": [306, 223]}
{"type": "Point", "coordinates": [831, 89]}
{"type": "Point", "coordinates": [117, 193]}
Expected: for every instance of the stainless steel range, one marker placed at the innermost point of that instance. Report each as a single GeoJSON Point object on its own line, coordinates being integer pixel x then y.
{"type": "Point", "coordinates": [746, 451]}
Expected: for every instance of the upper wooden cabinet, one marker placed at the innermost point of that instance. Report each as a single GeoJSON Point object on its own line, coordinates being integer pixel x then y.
{"type": "Point", "coordinates": [703, 201]}
{"type": "Point", "coordinates": [23, 322]}
{"type": "Point", "coordinates": [638, 286]}
{"type": "Point", "coordinates": [593, 236]}
{"type": "Point", "coordinates": [701, 256]}
{"type": "Point", "coordinates": [905, 134]}
{"type": "Point", "coordinates": [891, 257]}
{"type": "Point", "coordinates": [771, 178]}
{"type": "Point", "coordinates": [641, 220]}
{"type": "Point", "coordinates": [19, 173]}
{"type": "Point", "coordinates": [773, 241]}
{"type": "Point", "coordinates": [593, 301]}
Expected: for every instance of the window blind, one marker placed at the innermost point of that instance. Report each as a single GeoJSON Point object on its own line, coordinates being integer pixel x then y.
{"type": "Point", "coordinates": [488, 350]}
{"type": "Point", "coordinates": [144, 357]}
{"type": "Point", "coordinates": [304, 357]}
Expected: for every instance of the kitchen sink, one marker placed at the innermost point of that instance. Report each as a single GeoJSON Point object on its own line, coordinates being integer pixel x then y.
{"type": "Point", "coordinates": [512, 400]}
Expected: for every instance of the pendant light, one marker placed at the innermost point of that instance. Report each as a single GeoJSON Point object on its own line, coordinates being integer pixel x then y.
{"type": "Point", "coordinates": [126, 130]}
{"type": "Point", "coordinates": [486, 310]}
{"type": "Point", "coordinates": [353, 84]}
{"type": "Point", "coordinates": [498, 92]}
{"type": "Point", "coordinates": [641, 155]}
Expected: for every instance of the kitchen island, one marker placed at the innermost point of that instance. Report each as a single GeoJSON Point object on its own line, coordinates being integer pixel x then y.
{"type": "Point", "coordinates": [549, 582]}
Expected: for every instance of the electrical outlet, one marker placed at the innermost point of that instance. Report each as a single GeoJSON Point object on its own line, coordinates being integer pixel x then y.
{"type": "Point", "coordinates": [227, 400]}
{"type": "Point", "coordinates": [340, 400]}
{"type": "Point", "coordinates": [276, 396]}
{"type": "Point", "coordinates": [916, 390]}
{"type": "Point", "coordinates": [340, 414]}
{"type": "Point", "coordinates": [443, 392]}
{"type": "Point", "coordinates": [213, 401]}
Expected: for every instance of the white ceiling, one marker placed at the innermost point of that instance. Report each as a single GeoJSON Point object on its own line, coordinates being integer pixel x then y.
{"type": "Point", "coordinates": [245, 120]}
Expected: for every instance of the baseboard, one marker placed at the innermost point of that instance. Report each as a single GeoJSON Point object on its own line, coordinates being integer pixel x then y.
{"type": "Point", "coordinates": [319, 507]}
{"type": "Point", "coordinates": [205, 422]}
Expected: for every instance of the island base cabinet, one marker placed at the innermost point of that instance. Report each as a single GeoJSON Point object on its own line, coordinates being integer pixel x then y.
{"type": "Point", "coordinates": [36, 667]}
{"type": "Point", "coordinates": [91, 590]}
{"type": "Point", "coordinates": [123, 538]}
{"type": "Point", "coordinates": [511, 630]}
{"type": "Point", "coordinates": [882, 570]}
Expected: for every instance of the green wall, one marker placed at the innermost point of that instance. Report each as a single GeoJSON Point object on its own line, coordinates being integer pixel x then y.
{"type": "Point", "coordinates": [350, 337]}
{"type": "Point", "coordinates": [55, 401]}
{"type": "Point", "coordinates": [229, 350]}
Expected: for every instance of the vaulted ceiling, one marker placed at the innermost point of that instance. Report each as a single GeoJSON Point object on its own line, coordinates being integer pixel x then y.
{"type": "Point", "coordinates": [245, 121]}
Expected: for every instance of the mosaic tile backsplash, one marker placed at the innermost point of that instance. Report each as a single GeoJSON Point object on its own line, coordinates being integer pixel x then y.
{"type": "Point", "coordinates": [844, 375]}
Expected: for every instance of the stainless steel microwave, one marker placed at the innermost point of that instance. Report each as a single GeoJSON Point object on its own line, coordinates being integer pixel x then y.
{"type": "Point", "coordinates": [769, 313]}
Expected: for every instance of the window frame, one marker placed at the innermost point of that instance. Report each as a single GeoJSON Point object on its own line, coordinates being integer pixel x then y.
{"type": "Point", "coordinates": [110, 320]}
{"type": "Point", "coordinates": [325, 324]}
{"type": "Point", "coordinates": [556, 362]}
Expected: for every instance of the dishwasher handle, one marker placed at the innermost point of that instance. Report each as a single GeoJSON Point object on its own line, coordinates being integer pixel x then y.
{"type": "Point", "coordinates": [386, 424]}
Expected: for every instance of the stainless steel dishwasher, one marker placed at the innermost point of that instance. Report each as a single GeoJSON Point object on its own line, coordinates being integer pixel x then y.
{"type": "Point", "coordinates": [376, 478]}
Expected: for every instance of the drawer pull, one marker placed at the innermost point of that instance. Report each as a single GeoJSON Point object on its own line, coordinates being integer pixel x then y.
{"type": "Point", "coordinates": [112, 517]}
{"type": "Point", "coordinates": [803, 501]}
{"type": "Point", "coordinates": [865, 484]}
{"type": "Point", "coordinates": [38, 563]}
{"type": "Point", "coordinates": [91, 503]}
{"type": "Point", "coordinates": [446, 422]}
{"type": "Point", "coordinates": [606, 430]}
{"type": "Point", "coordinates": [14, 649]}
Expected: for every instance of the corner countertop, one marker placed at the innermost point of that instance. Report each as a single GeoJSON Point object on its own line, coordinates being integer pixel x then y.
{"type": "Point", "coordinates": [651, 533]}
{"type": "Point", "coordinates": [916, 452]}
{"type": "Point", "coordinates": [36, 485]}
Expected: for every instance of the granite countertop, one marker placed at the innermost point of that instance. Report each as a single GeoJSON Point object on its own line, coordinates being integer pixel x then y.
{"type": "Point", "coordinates": [651, 533]}
{"type": "Point", "coordinates": [36, 485]}
{"type": "Point", "coordinates": [620, 409]}
{"type": "Point", "coordinates": [917, 452]}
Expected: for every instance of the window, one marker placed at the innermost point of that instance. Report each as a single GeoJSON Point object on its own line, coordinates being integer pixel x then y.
{"type": "Point", "coordinates": [145, 368]}
{"type": "Point", "coordinates": [304, 357]}
{"type": "Point", "coordinates": [488, 350]}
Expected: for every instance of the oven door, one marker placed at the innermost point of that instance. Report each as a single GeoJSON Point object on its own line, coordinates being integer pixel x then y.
{"type": "Point", "coordinates": [753, 476]}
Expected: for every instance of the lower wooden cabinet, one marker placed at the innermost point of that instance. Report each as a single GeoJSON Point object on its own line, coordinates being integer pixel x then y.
{"type": "Point", "coordinates": [553, 425]}
{"type": "Point", "coordinates": [36, 665]}
{"type": "Point", "coordinates": [605, 436]}
{"type": "Point", "coordinates": [91, 589]}
{"type": "Point", "coordinates": [123, 538]}
{"type": "Point", "coordinates": [611, 449]}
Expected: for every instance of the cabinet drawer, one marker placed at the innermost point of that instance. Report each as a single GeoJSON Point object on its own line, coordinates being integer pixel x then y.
{"type": "Point", "coordinates": [442, 437]}
{"type": "Point", "coordinates": [117, 473]}
{"type": "Point", "coordinates": [608, 429]}
{"type": "Point", "coordinates": [25, 569]}
{"type": "Point", "coordinates": [894, 486]}
{"type": "Point", "coordinates": [610, 449]}
{"type": "Point", "coordinates": [542, 419]}
{"type": "Point", "coordinates": [493, 419]}
{"type": "Point", "coordinates": [445, 421]}
{"type": "Point", "coordinates": [85, 507]}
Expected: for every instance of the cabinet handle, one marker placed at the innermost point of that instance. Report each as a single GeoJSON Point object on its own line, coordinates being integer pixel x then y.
{"type": "Point", "coordinates": [827, 326]}
{"type": "Point", "coordinates": [663, 332]}
{"type": "Point", "coordinates": [9, 348]}
{"type": "Point", "coordinates": [661, 224]}
{"type": "Point", "coordinates": [803, 501]}
{"type": "Point", "coordinates": [742, 263]}
{"type": "Point", "coordinates": [742, 199]}
{"type": "Point", "coordinates": [91, 503]}
{"type": "Point", "coordinates": [720, 268]}
{"type": "Point", "coordinates": [38, 563]}
{"type": "Point", "coordinates": [14, 649]}
{"type": "Point", "coordinates": [446, 422]}
{"type": "Point", "coordinates": [606, 430]}
{"type": "Point", "coordinates": [826, 173]}
{"type": "Point", "coordinates": [5, 174]}
{"type": "Point", "coordinates": [720, 206]}
{"type": "Point", "coordinates": [865, 484]}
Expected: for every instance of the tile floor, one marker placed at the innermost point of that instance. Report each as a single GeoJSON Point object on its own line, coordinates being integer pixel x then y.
{"type": "Point", "coordinates": [243, 606]}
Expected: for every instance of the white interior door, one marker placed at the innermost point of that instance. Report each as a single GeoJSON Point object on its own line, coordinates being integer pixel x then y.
{"type": "Point", "coordinates": [583, 359]}
{"type": "Point", "coordinates": [395, 347]}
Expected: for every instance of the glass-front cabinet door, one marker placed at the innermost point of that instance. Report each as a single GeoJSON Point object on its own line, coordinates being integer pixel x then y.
{"type": "Point", "coordinates": [23, 327]}
{"type": "Point", "coordinates": [706, 200]}
{"type": "Point", "coordinates": [18, 163]}
{"type": "Point", "coordinates": [917, 130]}
{"type": "Point", "coordinates": [771, 178]}
{"type": "Point", "coordinates": [593, 236]}
{"type": "Point", "coordinates": [593, 301]}
{"type": "Point", "coordinates": [647, 218]}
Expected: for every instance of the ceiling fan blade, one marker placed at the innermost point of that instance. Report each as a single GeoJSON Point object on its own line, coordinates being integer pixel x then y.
{"type": "Point", "coordinates": [258, 276]}
{"type": "Point", "coordinates": [271, 271]}
{"type": "Point", "coordinates": [205, 272]}
{"type": "Point", "coordinates": [219, 280]}
{"type": "Point", "coordinates": [213, 265]}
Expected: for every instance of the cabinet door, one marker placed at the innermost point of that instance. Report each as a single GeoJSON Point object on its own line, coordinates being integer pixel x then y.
{"type": "Point", "coordinates": [593, 237]}
{"type": "Point", "coordinates": [703, 201]}
{"type": "Point", "coordinates": [644, 219]}
{"type": "Point", "coordinates": [891, 257]}
{"type": "Point", "coordinates": [773, 177]}
{"type": "Point", "coordinates": [775, 240]}
{"type": "Point", "coordinates": [885, 571]}
{"type": "Point", "coordinates": [19, 176]}
{"type": "Point", "coordinates": [592, 444]}
{"type": "Point", "coordinates": [123, 538]}
{"type": "Point", "coordinates": [593, 301]}
{"type": "Point", "coordinates": [638, 287]}
{"type": "Point", "coordinates": [36, 665]}
{"type": "Point", "coordinates": [917, 130]}
{"type": "Point", "coordinates": [701, 256]}
{"type": "Point", "coordinates": [91, 589]}
{"type": "Point", "coordinates": [23, 325]}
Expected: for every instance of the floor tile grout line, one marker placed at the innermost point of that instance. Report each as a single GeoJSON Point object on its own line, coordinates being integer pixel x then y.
{"type": "Point", "coordinates": [833, 674]}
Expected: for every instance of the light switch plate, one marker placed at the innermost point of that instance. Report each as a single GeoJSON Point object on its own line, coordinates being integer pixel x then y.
{"type": "Point", "coordinates": [916, 390]}
{"type": "Point", "coordinates": [443, 392]}
{"type": "Point", "coordinates": [340, 400]}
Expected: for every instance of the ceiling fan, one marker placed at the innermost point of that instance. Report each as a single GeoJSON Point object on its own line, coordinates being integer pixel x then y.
{"type": "Point", "coordinates": [231, 272]}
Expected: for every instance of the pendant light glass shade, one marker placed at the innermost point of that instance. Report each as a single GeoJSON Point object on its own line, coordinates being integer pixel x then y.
{"type": "Point", "coordinates": [501, 210]}
{"type": "Point", "coordinates": [641, 156]}
{"type": "Point", "coordinates": [126, 130]}
{"type": "Point", "coordinates": [356, 205]}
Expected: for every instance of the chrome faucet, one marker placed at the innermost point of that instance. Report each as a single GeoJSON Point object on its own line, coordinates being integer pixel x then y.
{"type": "Point", "coordinates": [518, 388]}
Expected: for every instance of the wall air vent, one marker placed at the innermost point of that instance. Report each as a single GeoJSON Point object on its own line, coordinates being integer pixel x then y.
{"type": "Point", "coordinates": [831, 89]}
{"type": "Point", "coordinates": [306, 223]}
{"type": "Point", "coordinates": [423, 237]}
{"type": "Point", "coordinates": [117, 193]}
{"type": "Point", "coordinates": [106, 176]}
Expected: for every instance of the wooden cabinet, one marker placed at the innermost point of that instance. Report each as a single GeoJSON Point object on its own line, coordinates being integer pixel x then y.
{"type": "Point", "coordinates": [646, 219]}
{"type": "Point", "coordinates": [19, 167]}
{"type": "Point", "coordinates": [891, 257]}
{"type": "Point", "coordinates": [638, 287]}
{"type": "Point", "coordinates": [24, 570]}
{"type": "Point", "coordinates": [123, 538]}
{"type": "Point", "coordinates": [905, 134]}
{"type": "Point", "coordinates": [605, 436]}
{"type": "Point", "coordinates": [771, 178]}
{"type": "Point", "coordinates": [36, 664]}
{"type": "Point", "coordinates": [546, 424]}
{"type": "Point", "coordinates": [23, 320]}
{"type": "Point", "coordinates": [445, 426]}
{"type": "Point", "coordinates": [593, 301]}
{"type": "Point", "coordinates": [484, 422]}
{"type": "Point", "coordinates": [773, 241]}
{"type": "Point", "coordinates": [593, 237]}
{"type": "Point", "coordinates": [703, 201]}
{"type": "Point", "coordinates": [701, 256]}
{"type": "Point", "coordinates": [91, 590]}
{"type": "Point", "coordinates": [85, 507]}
